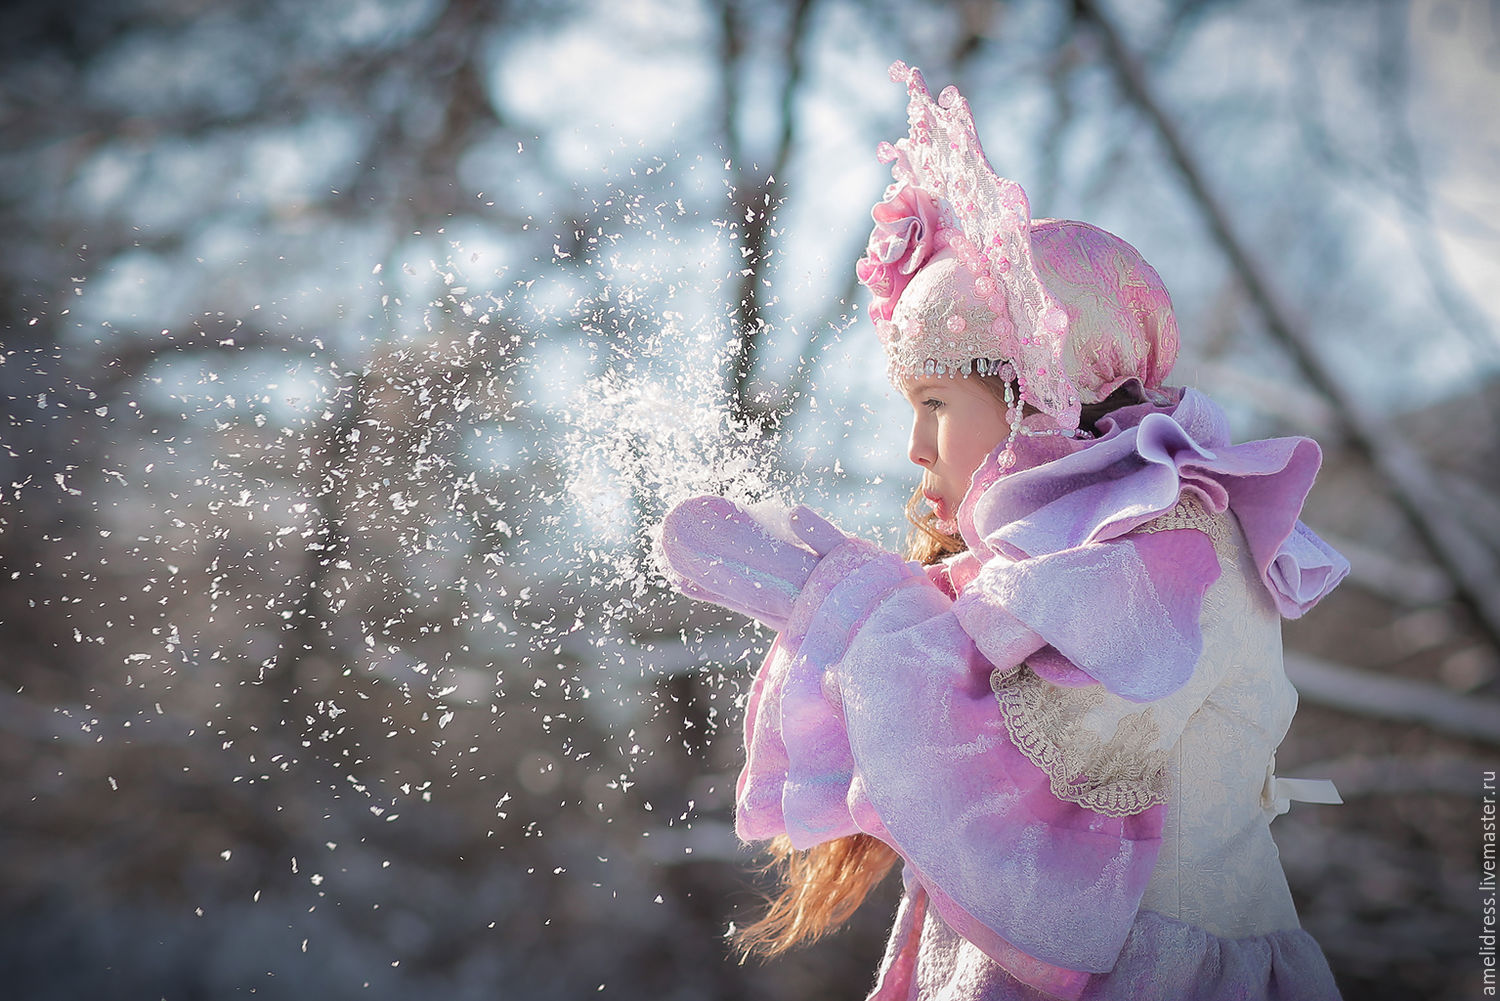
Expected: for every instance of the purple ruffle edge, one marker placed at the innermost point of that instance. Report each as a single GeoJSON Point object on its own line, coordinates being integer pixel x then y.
{"type": "Point", "coordinates": [1074, 493]}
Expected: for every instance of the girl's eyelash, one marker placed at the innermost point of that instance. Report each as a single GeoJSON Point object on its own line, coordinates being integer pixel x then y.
{"type": "Point", "coordinates": [932, 404]}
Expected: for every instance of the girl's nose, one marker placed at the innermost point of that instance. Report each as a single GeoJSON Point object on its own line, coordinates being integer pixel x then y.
{"type": "Point", "coordinates": [919, 448]}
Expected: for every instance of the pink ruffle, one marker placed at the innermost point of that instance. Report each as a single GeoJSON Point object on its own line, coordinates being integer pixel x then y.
{"type": "Point", "coordinates": [1303, 570]}
{"type": "Point", "coordinates": [798, 764]}
{"type": "Point", "coordinates": [1094, 490]}
{"type": "Point", "coordinates": [1123, 612]}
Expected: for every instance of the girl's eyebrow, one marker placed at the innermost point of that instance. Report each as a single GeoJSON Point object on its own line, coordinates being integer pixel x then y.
{"type": "Point", "coordinates": [916, 388]}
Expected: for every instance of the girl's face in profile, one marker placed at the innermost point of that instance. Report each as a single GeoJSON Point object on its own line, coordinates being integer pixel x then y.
{"type": "Point", "coordinates": [956, 422]}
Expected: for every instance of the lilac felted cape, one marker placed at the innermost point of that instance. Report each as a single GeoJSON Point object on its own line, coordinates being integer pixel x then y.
{"type": "Point", "coordinates": [1067, 731]}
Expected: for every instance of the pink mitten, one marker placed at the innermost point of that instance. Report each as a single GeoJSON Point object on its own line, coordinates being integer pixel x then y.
{"type": "Point", "coordinates": [724, 553]}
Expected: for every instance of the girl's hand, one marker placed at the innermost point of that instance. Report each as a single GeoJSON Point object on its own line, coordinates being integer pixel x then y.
{"type": "Point", "coordinates": [755, 562]}
{"type": "Point", "coordinates": [815, 531]}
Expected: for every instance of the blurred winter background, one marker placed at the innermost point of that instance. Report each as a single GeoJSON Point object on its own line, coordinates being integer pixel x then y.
{"type": "Point", "coordinates": [351, 348]}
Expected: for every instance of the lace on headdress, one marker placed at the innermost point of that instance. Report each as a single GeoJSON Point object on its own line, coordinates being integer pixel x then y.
{"type": "Point", "coordinates": [985, 220]}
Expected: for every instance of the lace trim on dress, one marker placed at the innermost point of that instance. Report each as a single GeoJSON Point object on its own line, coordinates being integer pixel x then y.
{"type": "Point", "coordinates": [1125, 773]}
{"type": "Point", "coordinates": [1190, 512]}
{"type": "Point", "coordinates": [1118, 777]}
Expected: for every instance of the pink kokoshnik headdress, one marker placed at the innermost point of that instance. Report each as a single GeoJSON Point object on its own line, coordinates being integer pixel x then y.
{"type": "Point", "coordinates": [962, 276]}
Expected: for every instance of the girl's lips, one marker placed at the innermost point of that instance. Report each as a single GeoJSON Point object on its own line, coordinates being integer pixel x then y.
{"type": "Point", "coordinates": [939, 506]}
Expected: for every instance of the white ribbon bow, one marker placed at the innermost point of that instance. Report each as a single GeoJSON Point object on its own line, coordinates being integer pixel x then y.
{"type": "Point", "coordinates": [1279, 793]}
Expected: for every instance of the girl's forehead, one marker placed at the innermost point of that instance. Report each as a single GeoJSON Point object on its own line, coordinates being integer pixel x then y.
{"type": "Point", "coordinates": [938, 383]}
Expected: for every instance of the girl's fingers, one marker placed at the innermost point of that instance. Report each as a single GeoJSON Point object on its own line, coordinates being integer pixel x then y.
{"type": "Point", "coordinates": [815, 530]}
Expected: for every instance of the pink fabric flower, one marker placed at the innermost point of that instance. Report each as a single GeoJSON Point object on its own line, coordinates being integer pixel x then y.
{"type": "Point", "coordinates": [905, 237]}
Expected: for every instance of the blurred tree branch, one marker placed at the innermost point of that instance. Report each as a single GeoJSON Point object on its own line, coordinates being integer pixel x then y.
{"type": "Point", "coordinates": [1366, 693]}
{"type": "Point", "coordinates": [756, 192]}
{"type": "Point", "coordinates": [1394, 172]}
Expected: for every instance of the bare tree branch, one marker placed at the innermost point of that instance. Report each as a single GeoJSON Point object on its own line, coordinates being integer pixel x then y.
{"type": "Point", "coordinates": [1366, 694]}
{"type": "Point", "coordinates": [756, 195]}
{"type": "Point", "coordinates": [1394, 173]}
{"type": "Point", "coordinates": [1408, 583]}
{"type": "Point", "coordinates": [976, 20]}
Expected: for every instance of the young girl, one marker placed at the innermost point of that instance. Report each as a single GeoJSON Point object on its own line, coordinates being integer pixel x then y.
{"type": "Point", "coordinates": [1060, 718]}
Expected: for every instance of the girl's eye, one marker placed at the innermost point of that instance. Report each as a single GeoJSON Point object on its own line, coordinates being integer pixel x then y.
{"type": "Point", "coordinates": [932, 404]}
